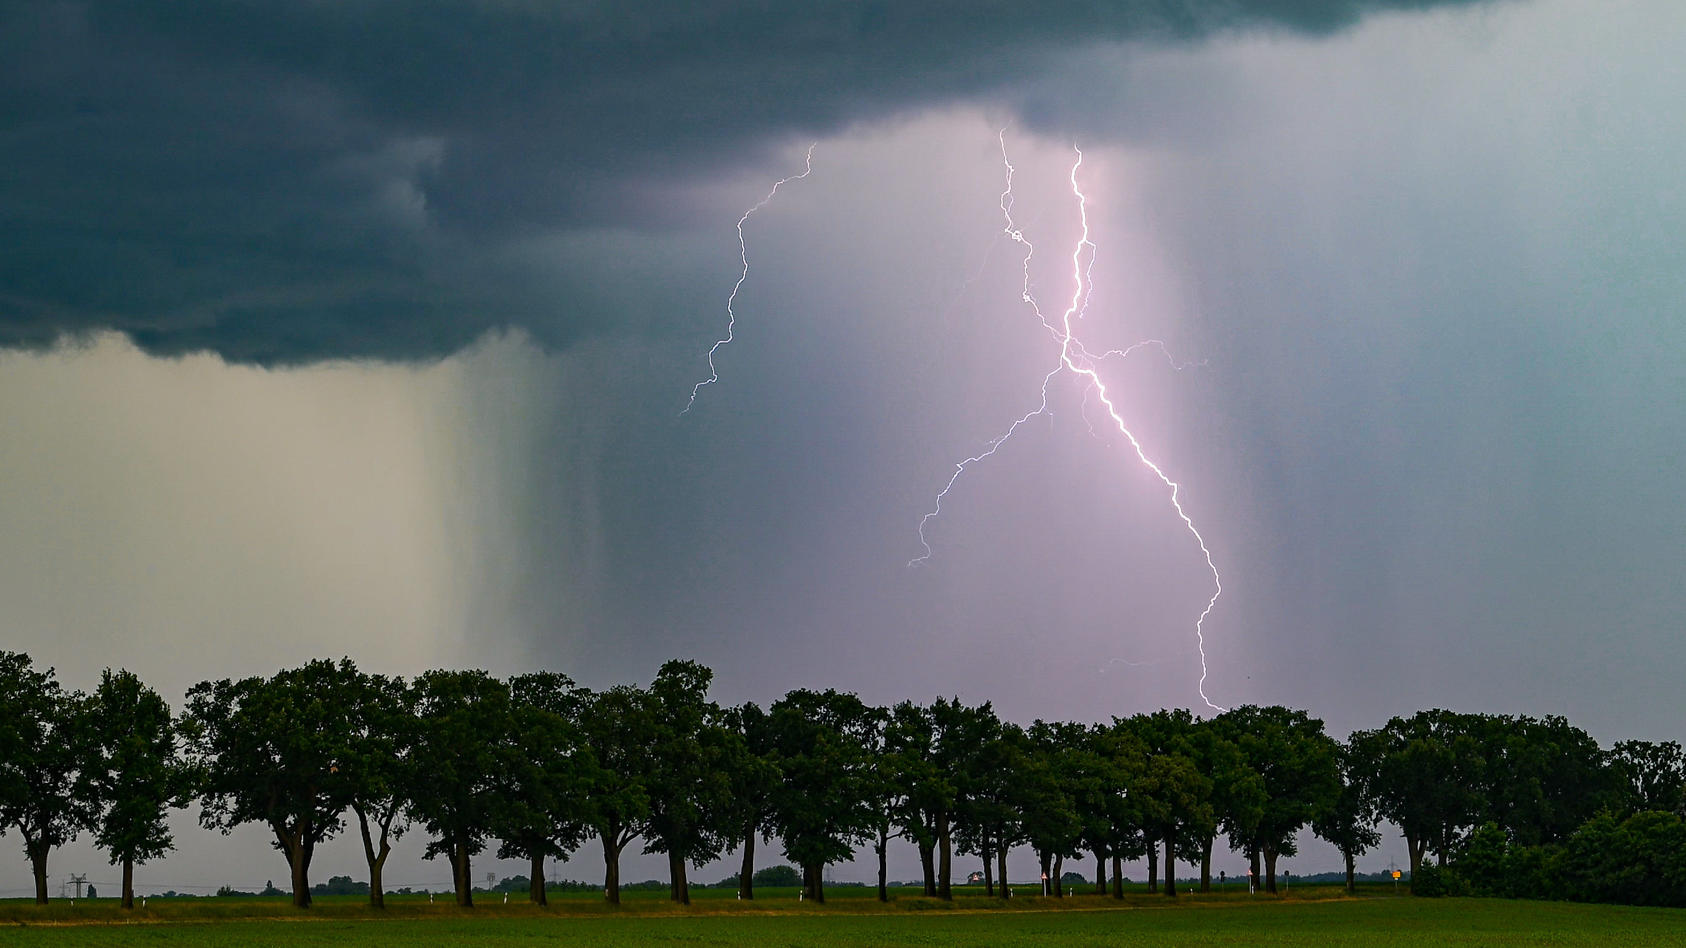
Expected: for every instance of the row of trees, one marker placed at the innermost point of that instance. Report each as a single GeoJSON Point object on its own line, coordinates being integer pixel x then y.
{"type": "Point", "coordinates": [537, 766]}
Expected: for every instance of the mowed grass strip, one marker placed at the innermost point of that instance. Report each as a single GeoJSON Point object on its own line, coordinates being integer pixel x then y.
{"type": "Point", "coordinates": [1365, 921]}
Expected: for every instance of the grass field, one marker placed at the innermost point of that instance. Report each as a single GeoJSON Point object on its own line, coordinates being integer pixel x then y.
{"type": "Point", "coordinates": [1309, 917]}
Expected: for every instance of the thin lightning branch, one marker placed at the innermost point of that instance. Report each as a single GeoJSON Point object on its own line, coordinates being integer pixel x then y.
{"type": "Point", "coordinates": [1079, 361]}
{"type": "Point", "coordinates": [743, 255]}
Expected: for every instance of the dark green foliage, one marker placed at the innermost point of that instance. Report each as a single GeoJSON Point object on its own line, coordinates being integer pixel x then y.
{"type": "Point", "coordinates": [1347, 820]}
{"type": "Point", "coordinates": [340, 885]}
{"type": "Point", "coordinates": [616, 726]}
{"type": "Point", "coordinates": [1649, 776]}
{"type": "Point", "coordinates": [753, 778]}
{"type": "Point", "coordinates": [1428, 882]}
{"type": "Point", "coordinates": [1512, 807]}
{"type": "Point", "coordinates": [464, 750]}
{"type": "Point", "coordinates": [547, 771]}
{"type": "Point", "coordinates": [377, 766]}
{"type": "Point", "coordinates": [38, 762]}
{"type": "Point", "coordinates": [130, 773]}
{"type": "Point", "coordinates": [690, 788]}
{"type": "Point", "coordinates": [1640, 860]}
{"type": "Point", "coordinates": [1299, 775]}
{"type": "Point", "coordinates": [825, 805]}
{"type": "Point", "coordinates": [268, 751]}
{"type": "Point", "coordinates": [778, 877]}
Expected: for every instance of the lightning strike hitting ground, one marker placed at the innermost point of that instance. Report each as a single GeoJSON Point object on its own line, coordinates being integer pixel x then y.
{"type": "Point", "coordinates": [1076, 359]}
{"type": "Point", "coordinates": [743, 254]}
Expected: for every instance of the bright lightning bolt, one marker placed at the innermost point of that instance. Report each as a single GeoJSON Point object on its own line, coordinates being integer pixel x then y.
{"type": "Point", "coordinates": [1076, 359]}
{"type": "Point", "coordinates": [743, 255]}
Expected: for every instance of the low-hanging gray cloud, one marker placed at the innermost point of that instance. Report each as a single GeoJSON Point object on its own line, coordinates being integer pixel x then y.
{"type": "Point", "coordinates": [282, 183]}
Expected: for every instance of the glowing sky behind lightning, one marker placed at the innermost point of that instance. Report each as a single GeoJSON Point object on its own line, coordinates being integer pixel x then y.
{"type": "Point", "coordinates": [743, 255]}
{"type": "Point", "coordinates": [1076, 359]}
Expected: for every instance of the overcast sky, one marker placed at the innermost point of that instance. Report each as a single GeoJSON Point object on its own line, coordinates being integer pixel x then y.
{"type": "Point", "coordinates": [364, 328]}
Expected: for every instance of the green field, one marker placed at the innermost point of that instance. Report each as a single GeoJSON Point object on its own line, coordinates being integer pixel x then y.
{"type": "Point", "coordinates": [1311, 917]}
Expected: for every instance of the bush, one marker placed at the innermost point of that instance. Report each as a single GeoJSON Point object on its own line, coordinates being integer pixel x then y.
{"type": "Point", "coordinates": [340, 885]}
{"type": "Point", "coordinates": [1533, 872]}
{"type": "Point", "coordinates": [1482, 866]}
{"type": "Point", "coordinates": [1427, 882]}
{"type": "Point", "coordinates": [1637, 861]}
{"type": "Point", "coordinates": [777, 876]}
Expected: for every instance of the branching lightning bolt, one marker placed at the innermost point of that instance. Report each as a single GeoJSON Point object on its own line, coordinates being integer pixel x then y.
{"type": "Point", "coordinates": [743, 255]}
{"type": "Point", "coordinates": [1076, 359]}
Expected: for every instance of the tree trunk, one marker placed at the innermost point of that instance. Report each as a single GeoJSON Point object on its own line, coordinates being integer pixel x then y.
{"type": "Point", "coordinates": [817, 874]}
{"type": "Point", "coordinates": [989, 872]}
{"type": "Point", "coordinates": [1100, 873]}
{"type": "Point", "coordinates": [1206, 865]}
{"type": "Point", "coordinates": [1414, 849]}
{"type": "Point", "coordinates": [945, 863]}
{"type": "Point", "coordinates": [927, 861]}
{"type": "Point", "coordinates": [301, 876]}
{"type": "Point", "coordinates": [746, 870]}
{"type": "Point", "coordinates": [1001, 864]}
{"type": "Point", "coordinates": [38, 863]}
{"type": "Point", "coordinates": [535, 881]}
{"type": "Point", "coordinates": [1254, 875]}
{"type": "Point", "coordinates": [128, 882]}
{"type": "Point", "coordinates": [1171, 863]}
{"type": "Point", "coordinates": [375, 857]}
{"type": "Point", "coordinates": [611, 868]}
{"type": "Point", "coordinates": [1117, 876]}
{"type": "Point", "coordinates": [1152, 866]}
{"type": "Point", "coordinates": [1270, 869]}
{"type": "Point", "coordinates": [1059, 875]}
{"type": "Point", "coordinates": [465, 876]}
{"type": "Point", "coordinates": [883, 867]}
{"type": "Point", "coordinates": [1350, 888]}
{"type": "Point", "coordinates": [308, 847]}
{"type": "Point", "coordinates": [377, 888]}
{"type": "Point", "coordinates": [679, 884]}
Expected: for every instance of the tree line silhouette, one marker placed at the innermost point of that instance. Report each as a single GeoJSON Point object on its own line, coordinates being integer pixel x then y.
{"type": "Point", "coordinates": [538, 766]}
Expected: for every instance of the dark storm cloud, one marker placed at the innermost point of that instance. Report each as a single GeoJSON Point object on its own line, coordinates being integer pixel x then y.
{"type": "Point", "coordinates": [288, 182]}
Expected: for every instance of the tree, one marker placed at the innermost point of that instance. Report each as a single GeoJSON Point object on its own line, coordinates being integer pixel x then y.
{"type": "Point", "coordinates": [1349, 821]}
{"type": "Point", "coordinates": [1175, 795]}
{"type": "Point", "coordinates": [1046, 785]}
{"type": "Point", "coordinates": [923, 790]}
{"type": "Point", "coordinates": [269, 751]}
{"type": "Point", "coordinates": [1428, 779]}
{"type": "Point", "coordinates": [990, 820]}
{"type": "Point", "coordinates": [1651, 776]}
{"type": "Point", "coordinates": [1296, 763]}
{"type": "Point", "coordinates": [824, 807]}
{"type": "Point", "coordinates": [463, 750]}
{"type": "Point", "coordinates": [130, 773]}
{"type": "Point", "coordinates": [1123, 833]}
{"type": "Point", "coordinates": [376, 765]}
{"type": "Point", "coordinates": [541, 793]}
{"type": "Point", "coordinates": [1236, 796]}
{"type": "Point", "coordinates": [958, 734]}
{"type": "Point", "coordinates": [753, 782]}
{"type": "Point", "coordinates": [690, 788]}
{"type": "Point", "coordinates": [1538, 778]}
{"type": "Point", "coordinates": [885, 789]}
{"type": "Point", "coordinates": [37, 762]}
{"type": "Point", "coordinates": [617, 727]}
